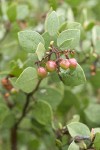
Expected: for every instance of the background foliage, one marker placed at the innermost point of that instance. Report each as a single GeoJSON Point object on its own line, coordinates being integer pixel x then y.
{"type": "Point", "coordinates": [57, 105]}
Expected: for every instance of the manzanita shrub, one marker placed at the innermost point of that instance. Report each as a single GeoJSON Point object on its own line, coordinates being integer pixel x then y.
{"type": "Point", "coordinates": [45, 98]}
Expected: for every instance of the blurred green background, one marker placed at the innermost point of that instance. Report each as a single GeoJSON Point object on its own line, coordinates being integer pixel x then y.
{"type": "Point", "coordinates": [81, 102]}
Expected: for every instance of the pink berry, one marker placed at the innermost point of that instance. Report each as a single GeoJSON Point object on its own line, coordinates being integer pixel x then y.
{"type": "Point", "coordinates": [64, 64]}
{"type": "Point", "coordinates": [42, 72]}
{"type": "Point", "coordinates": [51, 66]}
{"type": "Point", "coordinates": [73, 63]}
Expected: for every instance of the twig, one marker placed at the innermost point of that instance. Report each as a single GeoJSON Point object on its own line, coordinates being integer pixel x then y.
{"type": "Point", "coordinates": [27, 104]}
{"type": "Point", "coordinates": [90, 145]}
{"type": "Point", "coordinates": [24, 111]}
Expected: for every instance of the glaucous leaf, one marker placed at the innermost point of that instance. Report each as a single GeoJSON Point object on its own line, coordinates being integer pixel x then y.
{"type": "Point", "coordinates": [3, 112]}
{"type": "Point", "coordinates": [78, 129]}
{"type": "Point", "coordinates": [92, 113]}
{"type": "Point", "coordinates": [52, 23]}
{"type": "Point", "coordinates": [42, 112]}
{"type": "Point", "coordinates": [40, 51]}
{"type": "Point", "coordinates": [22, 11]}
{"type": "Point", "coordinates": [73, 78]}
{"type": "Point", "coordinates": [69, 34]}
{"type": "Point", "coordinates": [29, 40]}
{"type": "Point", "coordinates": [73, 146]}
{"type": "Point", "coordinates": [50, 95]}
{"type": "Point", "coordinates": [27, 80]}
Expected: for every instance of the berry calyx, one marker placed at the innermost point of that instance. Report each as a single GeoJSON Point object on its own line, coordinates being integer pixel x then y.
{"type": "Point", "coordinates": [42, 72]}
{"type": "Point", "coordinates": [73, 63]}
{"type": "Point", "coordinates": [64, 64]}
{"type": "Point", "coordinates": [51, 66]}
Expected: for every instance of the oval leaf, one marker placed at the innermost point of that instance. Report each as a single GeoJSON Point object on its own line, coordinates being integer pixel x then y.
{"type": "Point", "coordinates": [97, 141]}
{"type": "Point", "coordinates": [52, 23]}
{"type": "Point", "coordinates": [75, 78]}
{"type": "Point", "coordinates": [42, 112]}
{"type": "Point", "coordinates": [40, 51]}
{"type": "Point", "coordinates": [29, 40]}
{"type": "Point", "coordinates": [78, 129]}
{"type": "Point", "coordinates": [69, 34]}
{"type": "Point", "coordinates": [27, 80]}
{"type": "Point", "coordinates": [92, 113]}
{"type": "Point", "coordinates": [66, 44]}
{"type": "Point", "coordinates": [50, 95]}
{"type": "Point", "coordinates": [73, 146]}
{"type": "Point", "coordinates": [3, 112]}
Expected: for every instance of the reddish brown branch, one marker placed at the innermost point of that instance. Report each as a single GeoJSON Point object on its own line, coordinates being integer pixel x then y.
{"type": "Point", "coordinates": [24, 112]}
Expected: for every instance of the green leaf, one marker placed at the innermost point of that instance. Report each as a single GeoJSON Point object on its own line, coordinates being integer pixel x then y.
{"type": "Point", "coordinates": [97, 47]}
{"type": "Point", "coordinates": [58, 143]}
{"type": "Point", "coordinates": [96, 130]}
{"type": "Point", "coordinates": [22, 11]}
{"type": "Point", "coordinates": [42, 112]}
{"type": "Point", "coordinates": [53, 3]}
{"type": "Point", "coordinates": [9, 120]}
{"type": "Point", "coordinates": [73, 146]}
{"type": "Point", "coordinates": [88, 25]}
{"type": "Point", "coordinates": [74, 3]}
{"type": "Point", "coordinates": [32, 58]}
{"type": "Point", "coordinates": [92, 113]}
{"type": "Point", "coordinates": [97, 141]}
{"type": "Point", "coordinates": [3, 112]}
{"type": "Point", "coordinates": [95, 80]}
{"type": "Point", "coordinates": [69, 34]}
{"type": "Point", "coordinates": [61, 18]}
{"type": "Point", "coordinates": [69, 100]}
{"type": "Point", "coordinates": [96, 36]}
{"type": "Point", "coordinates": [66, 44]}
{"type": "Point", "coordinates": [47, 39]}
{"type": "Point", "coordinates": [27, 80]}
{"type": "Point", "coordinates": [73, 78]}
{"type": "Point", "coordinates": [69, 25]}
{"type": "Point", "coordinates": [40, 51]}
{"type": "Point", "coordinates": [73, 25]}
{"type": "Point", "coordinates": [29, 40]}
{"type": "Point", "coordinates": [52, 23]}
{"type": "Point", "coordinates": [78, 129]}
{"type": "Point", "coordinates": [50, 95]}
{"type": "Point", "coordinates": [62, 27]}
{"type": "Point", "coordinates": [12, 8]}
{"type": "Point", "coordinates": [13, 81]}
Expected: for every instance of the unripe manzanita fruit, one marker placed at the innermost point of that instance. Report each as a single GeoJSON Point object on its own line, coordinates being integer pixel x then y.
{"type": "Point", "coordinates": [6, 84]}
{"type": "Point", "coordinates": [42, 72]}
{"type": "Point", "coordinates": [64, 64]}
{"type": "Point", "coordinates": [73, 63]}
{"type": "Point", "coordinates": [4, 81]}
{"type": "Point", "coordinates": [51, 65]}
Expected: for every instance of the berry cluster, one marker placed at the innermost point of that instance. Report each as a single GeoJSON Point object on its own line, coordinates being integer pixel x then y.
{"type": "Point", "coordinates": [49, 67]}
{"type": "Point", "coordinates": [9, 89]}
{"type": "Point", "coordinates": [52, 66]}
{"type": "Point", "coordinates": [6, 84]}
{"type": "Point", "coordinates": [55, 65]}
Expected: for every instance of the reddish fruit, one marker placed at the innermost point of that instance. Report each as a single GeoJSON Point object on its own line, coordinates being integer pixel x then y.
{"type": "Point", "coordinates": [64, 64]}
{"type": "Point", "coordinates": [42, 72]}
{"type": "Point", "coordinates": [6, 84]}
{"type": "Point", "coordinates": [4, 81]}
{"type": "Point", "coordinates": [73, 63]}
{"type": "Point", "coordinates": [6, 95]}
{"type": "Point", "coordinates": [51, 66]}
